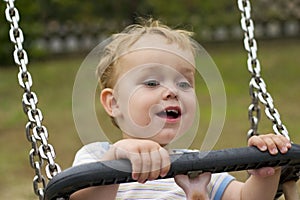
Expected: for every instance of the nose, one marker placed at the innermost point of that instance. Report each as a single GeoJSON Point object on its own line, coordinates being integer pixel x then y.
{"type": "Point", "coordinates": [170, 93]}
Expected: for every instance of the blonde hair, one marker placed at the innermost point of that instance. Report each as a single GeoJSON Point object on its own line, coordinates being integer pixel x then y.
{"type": "Point", "coordinates": [121, 42]}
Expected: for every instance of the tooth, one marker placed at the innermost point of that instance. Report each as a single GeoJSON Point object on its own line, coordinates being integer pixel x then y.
{"type": "Point", "coordinates": [174, 111]}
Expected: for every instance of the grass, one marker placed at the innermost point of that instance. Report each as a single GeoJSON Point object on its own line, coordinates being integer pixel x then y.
{"type": "Point", "coordinates": [53, 82]}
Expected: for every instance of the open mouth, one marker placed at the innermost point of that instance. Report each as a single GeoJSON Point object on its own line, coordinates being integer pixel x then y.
{"type": "Point", "coordinates": [170, 113]}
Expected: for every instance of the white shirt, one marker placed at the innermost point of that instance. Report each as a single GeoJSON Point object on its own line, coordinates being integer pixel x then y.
{"type": "Point", "coordinates": [156, 190]}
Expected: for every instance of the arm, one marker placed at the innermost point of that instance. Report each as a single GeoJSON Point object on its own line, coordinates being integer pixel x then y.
{"type": "Point", "coordinates": [254, 188]}
{"type": "Point", "coordinates": [290, 190]}
{"type": "Point", "coordinates": [107, 192]}
{"type": "Point", "coordinates": [263, 183]}
{"type": "Point", "coordinates": [149, 160]}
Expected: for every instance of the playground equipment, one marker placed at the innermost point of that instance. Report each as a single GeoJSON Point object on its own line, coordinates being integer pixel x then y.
{"type": "Point", "coordinates": [63, 183]}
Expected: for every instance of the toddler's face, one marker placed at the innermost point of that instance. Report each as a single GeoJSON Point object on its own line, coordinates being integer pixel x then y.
{"type": "Point", "coordinates": [155, 95]}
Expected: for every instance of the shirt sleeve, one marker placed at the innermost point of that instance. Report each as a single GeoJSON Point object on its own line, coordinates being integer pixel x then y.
{"type": "Point", "coordinates": [89, 153]}
{"type": "Point", "coordinates": [218, 185]}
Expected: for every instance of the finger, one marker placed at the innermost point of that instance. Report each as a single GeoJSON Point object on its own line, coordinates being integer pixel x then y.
{"type": "Point", "coordinates": [262, 172]}
{"type": "Point", "coordinates": [182, 181]}
{"type": "Point", "coordinates": [156, 163]}
{"type": "Point", "coordinates": [165, 162]}
{"type": "Point", "coordinates": [119, 152]}
{"type": "Point", "coordinates": [271, 145]}
{"type": "Point", "coordinates": [205, 177]}
{"type": "Point", "coordinates": [258, 142]}
{"type": "Point", "coordinates": [133, 157]}
{"type": "Point", "coordinates": [146, 167]}
{"type": "Point", "coordinates": [136, 162]}
{"type": "Point", "coordinates": [282, 143]}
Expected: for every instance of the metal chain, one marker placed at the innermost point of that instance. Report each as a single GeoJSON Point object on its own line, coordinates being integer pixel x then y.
{"type": "Point", "coordinates": [36, 133]}
{"type": "Point", "coordinates": [257, 87]}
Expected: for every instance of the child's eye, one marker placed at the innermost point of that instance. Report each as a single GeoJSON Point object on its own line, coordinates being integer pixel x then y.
{"type": "Point", "coordinates": [151, 83]}
{"type": "Point", "coordinates": [183, 85]}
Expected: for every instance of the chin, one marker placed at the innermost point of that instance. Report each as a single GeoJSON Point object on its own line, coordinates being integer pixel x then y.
{"type": "Point", "coordinates": [165, 137]}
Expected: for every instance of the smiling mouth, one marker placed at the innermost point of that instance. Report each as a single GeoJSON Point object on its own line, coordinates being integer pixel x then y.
{"type": "Point", "coordinates": [170, 113]}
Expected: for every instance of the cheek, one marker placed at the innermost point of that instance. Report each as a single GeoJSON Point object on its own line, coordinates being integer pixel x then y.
{"type": "Point", "coordinates": [189, 101]}
{"type": "Point", "coordinates": [192, 104]}
{"type": "Point", "coordinates": [140, 104]}
{"type": "Point", "coordinates": [189, 115]}
{"type": "Point", "coordinates": [190, 107]}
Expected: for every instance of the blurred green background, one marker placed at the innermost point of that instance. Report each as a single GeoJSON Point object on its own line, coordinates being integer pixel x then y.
{"type": "Point", "coordinates": [59, 34]}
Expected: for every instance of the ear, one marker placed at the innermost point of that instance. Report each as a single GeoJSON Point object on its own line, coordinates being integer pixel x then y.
{"type": "Point", "coordinates": [109, 102]}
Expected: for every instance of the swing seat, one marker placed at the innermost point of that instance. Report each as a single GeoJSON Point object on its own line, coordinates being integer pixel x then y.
{"type": "Point", "coordinates": [119, 171]}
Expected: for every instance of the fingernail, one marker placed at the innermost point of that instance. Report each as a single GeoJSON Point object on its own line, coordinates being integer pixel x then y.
{"type": "Point", "coordinates": [274, 150]}
{"type": "Point", "coordinates": [134, 176]}
{"type": "Point", "coordinates": [284, 149]}
{"type": "Point", "coordinates": [263, 148]}
{"type": "Point", "coordinates": [163, 174]}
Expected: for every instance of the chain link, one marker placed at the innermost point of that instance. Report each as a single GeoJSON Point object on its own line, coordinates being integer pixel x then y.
{"type": "Point", "coordinates": [257, 87]}
{"type": "Point", "coordinates": [36, 133]}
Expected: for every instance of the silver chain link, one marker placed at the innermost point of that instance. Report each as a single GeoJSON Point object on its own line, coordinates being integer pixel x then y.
{"type": "Point", "coordinates": [36, 133]}
{"type": "Point", "coordinates": [257, 87]}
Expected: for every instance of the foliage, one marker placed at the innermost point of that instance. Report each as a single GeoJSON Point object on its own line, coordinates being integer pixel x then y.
{"type": "Point", "coordinates": [5, 47]}
{"type": "Point", "coordinates": [30, 24]}
{"type": "Point", "coordinates": [40, 17]}
{"type": "Point", "coordinates": [110, 15]}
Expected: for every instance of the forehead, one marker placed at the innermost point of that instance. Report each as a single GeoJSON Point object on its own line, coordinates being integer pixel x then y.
{"type": "Point", "coordinates": [180, 47]}
{"type": "Point", "coordinates": [156, 49]}
{"type": "Point", "coordinates": [148, 56]}
{"type": "Point", "coordinates": [153, 48]}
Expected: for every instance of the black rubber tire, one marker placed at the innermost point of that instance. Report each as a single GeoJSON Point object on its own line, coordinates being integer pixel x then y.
{"type": "Point", "coordinates": [226, 160]}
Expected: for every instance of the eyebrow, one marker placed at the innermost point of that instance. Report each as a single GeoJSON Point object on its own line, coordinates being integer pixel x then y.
{"type": "Point", "coordinates": [187, 72]}
{"type": "Point", "coordinates": [190, 79]}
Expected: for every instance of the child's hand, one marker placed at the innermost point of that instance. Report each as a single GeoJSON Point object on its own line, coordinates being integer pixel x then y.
{"type": "Point", "coordinates": [196, 187]}
{"type": "Point", "coordinates": [274, 144]}
{"type": "Point", "coordinates": [149, 160]}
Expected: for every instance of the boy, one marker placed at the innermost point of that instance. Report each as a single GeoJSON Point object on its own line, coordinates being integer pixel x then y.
{"type": "Point", "coordinates": [148, 89]}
